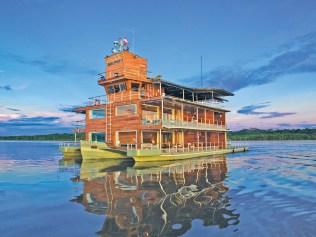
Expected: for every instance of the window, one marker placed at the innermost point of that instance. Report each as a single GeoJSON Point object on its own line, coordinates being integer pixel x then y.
{"type": "Point", "coordinates": [135, 86]}
{"type": "Point", "coordinates": [126, 109]}
{"type": "Point", "coordinates": [110, 89]}
{"type": "Point", "coordinates": [117, 88]}
{"type": "Point", "coordinates": [122, 86]}
{"type": "Point", "coordinates": [97, 136]}
{"type": "Point", "coordinates": [97, 113]}
{"type": "Point", "coordinates": [218, 115]}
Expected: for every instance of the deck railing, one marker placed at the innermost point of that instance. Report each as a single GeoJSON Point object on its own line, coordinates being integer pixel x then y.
{"type": "Point", "coordinates": [171, 123]}
{"type": "Point", "coordinates": [179, 148]}
{"type": "Point", "coordinates": [192, 124]}
{"type": "Point", "coordinates": [69, 144]}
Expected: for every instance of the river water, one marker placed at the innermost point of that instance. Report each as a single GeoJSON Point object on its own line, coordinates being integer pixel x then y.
{"type": "Point", "coordinates": [267, 191]}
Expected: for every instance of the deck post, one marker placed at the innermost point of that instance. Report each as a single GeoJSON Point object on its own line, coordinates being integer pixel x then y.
{"type": "Point", "coordinates": [197, 115]}
{"type": "Point", "coordinates": [160, 139]}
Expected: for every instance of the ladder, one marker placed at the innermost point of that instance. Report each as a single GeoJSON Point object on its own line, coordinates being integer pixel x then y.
{"type": "Point", "coordinates": [108, 122]}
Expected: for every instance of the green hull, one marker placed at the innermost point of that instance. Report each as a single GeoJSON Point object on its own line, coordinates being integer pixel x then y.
{"type": "Point", "coordinates": [99, 150]}
{"type": "Point", "coordinates": [156, 155]}
{"type": "Point", "coordinates": [71, 151]}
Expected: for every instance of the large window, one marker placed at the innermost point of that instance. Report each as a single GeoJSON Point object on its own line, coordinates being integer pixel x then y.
{"type": "Point", "coordinates": [97, 113]}
{"type": "Point", "coordinates": [116, 88]}
{"type": "Point", "coordinates": [126, 109]}
{"type": "Point", "coordinates": [97, 136]}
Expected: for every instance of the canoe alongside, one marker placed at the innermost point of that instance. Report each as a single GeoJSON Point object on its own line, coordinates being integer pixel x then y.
{"type": "Point", "coordinates": [70, 150]}
{"type": "Point", "coordinates": [99, 150]}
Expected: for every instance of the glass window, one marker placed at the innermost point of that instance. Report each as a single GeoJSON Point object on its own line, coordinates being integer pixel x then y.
{"type": "Point", "coordinates": [110, 89]}
{"type": "Point", "coordinates": [97, 136]}
{"type": "Point", "coordinates": [116, 88]}
{"type": "Point", "coordinates": [135, 86]}
{"type": "Point", "coordinates": [122, 86]}
{"type": "Point", "coordinates": [126, 109]}
{"type": "Point", "coordinates": [97, 113]}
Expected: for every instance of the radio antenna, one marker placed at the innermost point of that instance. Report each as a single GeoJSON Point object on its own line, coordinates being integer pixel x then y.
{"type": "Point", "coordinates": [201, 71]}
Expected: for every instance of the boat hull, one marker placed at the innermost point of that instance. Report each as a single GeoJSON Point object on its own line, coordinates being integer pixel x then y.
{"type": "Point", "coordinates": [96, 151]}
{"type": "Point", "coordinates": [70, 152]}
{"type": "Point", "coordinates": [156, 155]}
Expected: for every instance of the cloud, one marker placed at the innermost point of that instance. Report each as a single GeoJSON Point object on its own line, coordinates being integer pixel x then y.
{"type": "Point", "coordinates": [68, 109]}
{"type": "Point", "coordinates": [13, 109]}
{"type": "Point", "coordinates": [297, 125]}
{"type": "Point", "coordinates": [25, 121]}
{"type": "Point", "coordinates": [50, 66]}
{"type": "Point", "coordinates": [28, 125]}
{"type": "Point", "coordinates": [6, 88]}
{"type": "Point", "coordinates": [252, 110]}
{"type": "Point", "coordinates": [297, 56]}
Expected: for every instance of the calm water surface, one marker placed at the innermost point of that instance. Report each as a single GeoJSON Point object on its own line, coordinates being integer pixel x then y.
{"type": "Point", "coordinates": [268, 191]}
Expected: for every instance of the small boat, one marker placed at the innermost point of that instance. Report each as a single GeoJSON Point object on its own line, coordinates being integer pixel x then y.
{"type": "Point", "coordinates": [100, 150]}
{"type": "Point", "coordinates": [70, 150]}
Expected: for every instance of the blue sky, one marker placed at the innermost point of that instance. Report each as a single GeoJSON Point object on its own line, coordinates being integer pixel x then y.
{"type": "Point", "coordinates": [263, 51]}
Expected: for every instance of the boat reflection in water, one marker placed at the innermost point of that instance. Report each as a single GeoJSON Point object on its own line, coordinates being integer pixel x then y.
{"type": "Point", "coordinates": [161, 199]}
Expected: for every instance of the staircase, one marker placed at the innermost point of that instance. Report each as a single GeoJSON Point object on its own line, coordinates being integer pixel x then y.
{"type": "Point", "coordinates": [108, 122]}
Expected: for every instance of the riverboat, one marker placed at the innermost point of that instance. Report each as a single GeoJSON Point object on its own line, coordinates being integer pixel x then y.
{"type": "Point", "coordinates": [150, 118]}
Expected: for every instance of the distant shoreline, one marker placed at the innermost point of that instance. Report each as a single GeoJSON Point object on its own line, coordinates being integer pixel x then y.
{"type": "Point", "coordinates": [242, 135]}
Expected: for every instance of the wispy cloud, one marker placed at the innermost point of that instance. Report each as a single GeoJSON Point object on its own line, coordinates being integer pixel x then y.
{"type": "Point", "coordinates": [298, 56]}
{"type": "Point", "coordinates": [13, 109]}
{"type": "Point", "coordinates": [26, 125]}
{"type": "Point", "coordinates": [25, 121]}
{"type": "Point", "coordinates": [252, 110]}
{"type": "Point", "coordinates": [68, 109]}
{"type": "Point", "coordinates": [6, 88]}
{"type": "Point", "coordinates": [297, 125]}
{"type": "Point", "coordinates": [48, 65]}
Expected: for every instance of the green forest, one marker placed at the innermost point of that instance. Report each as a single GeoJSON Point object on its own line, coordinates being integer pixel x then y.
{"type": "Point", "coordinates": [47, 137]}
{"type": "Point", "coordinates": [285, 134]}
{"type": "Point", "coordinates": [242, 135]}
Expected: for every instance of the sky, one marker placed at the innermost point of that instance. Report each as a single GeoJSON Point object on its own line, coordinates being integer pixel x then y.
{"type": "Point", "coordinates": [262, 51]}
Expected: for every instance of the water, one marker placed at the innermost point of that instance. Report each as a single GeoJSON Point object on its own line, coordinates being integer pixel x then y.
{"type": "Point", "coordinates": [268, 191]}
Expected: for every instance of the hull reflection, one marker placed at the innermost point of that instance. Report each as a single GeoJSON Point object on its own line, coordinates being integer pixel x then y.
{"type": "Point", "coordinates": [161, 199]}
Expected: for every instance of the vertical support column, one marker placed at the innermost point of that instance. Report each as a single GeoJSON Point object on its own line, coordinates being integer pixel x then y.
{"type": "Point", "coordinates": [218, 140]}
{"type": "Point", "coordinates": [160, 139]}
{"type": "Point", "coordinates": [161, 109]}
{"type": "Point", "coordinates": [225, 140]}
{"type": "Point", "coordinates": [205, 116]}
{"type": "Point", "coordinates": [182, 117]}
{"type": "Point", "coordinates": [183, 94]}
{"type": "Point", "coordinates": [197, 115]}
{"type": "Point", "coordinates": [198, 139]}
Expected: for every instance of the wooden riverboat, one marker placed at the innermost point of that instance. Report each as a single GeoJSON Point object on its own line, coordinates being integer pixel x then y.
{"type": "Point", "coordinates": [149, 118]}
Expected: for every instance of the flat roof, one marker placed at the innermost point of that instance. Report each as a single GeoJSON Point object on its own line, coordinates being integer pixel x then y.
{"type": "Point", "coordinates": [200, 93]}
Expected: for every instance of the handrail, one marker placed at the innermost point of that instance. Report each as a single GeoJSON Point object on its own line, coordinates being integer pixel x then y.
{"type": "Point", "coordinates": [189, 147]}
{"type": "Point", "coordinates": [195, 124]}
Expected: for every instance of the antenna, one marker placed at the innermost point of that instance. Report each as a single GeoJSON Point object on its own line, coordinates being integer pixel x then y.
{"type": "Point", "coordinates": [201, 71]}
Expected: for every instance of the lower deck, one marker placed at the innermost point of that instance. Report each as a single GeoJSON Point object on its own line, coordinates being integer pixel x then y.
{"type": "Point", "coordinates": [164, 139]}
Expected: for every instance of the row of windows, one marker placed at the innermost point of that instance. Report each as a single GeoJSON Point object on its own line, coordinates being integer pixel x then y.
{"type": "Point", "coordinates": [132, 109]}
{"type": "Point", "coordinates": [120, 110]}
{"type": "Point", "coordinates": [117, 88]}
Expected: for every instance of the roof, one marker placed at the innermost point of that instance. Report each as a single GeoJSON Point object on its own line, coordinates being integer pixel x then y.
{"type": "Point", "coordinates": [199, 93]}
